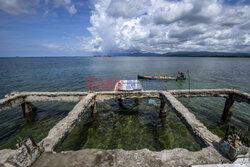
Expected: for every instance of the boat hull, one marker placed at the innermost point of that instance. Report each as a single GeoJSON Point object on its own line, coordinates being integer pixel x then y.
{"type": "Point", "coordinates": [158, 77]}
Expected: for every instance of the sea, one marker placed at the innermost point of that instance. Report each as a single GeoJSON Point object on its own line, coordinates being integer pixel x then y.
{"type": "Point", "coordinates": [116, 129]}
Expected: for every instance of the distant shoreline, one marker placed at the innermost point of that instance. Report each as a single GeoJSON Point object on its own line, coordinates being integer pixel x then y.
{"type": "Point", "coordinates": [127, 56]}
{"type": "Point", "coordinates": [180, 56]}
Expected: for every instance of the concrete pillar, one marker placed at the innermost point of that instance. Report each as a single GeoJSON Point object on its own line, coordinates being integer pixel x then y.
{"type": "Point", "coordinates": [120, 103]}
{"type": "Point", "coordinates": [163, 109]}
{"type": "Point", "coordinates": [228, 109]}
{"type": "Point", "coordinates": [94, 110]}
{"type": "Point", "coordinates": [29, 110]}
{"type": "Point", "coordinates": [137, 103]}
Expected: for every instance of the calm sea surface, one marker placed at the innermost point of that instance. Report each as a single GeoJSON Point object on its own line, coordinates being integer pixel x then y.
{"type": "Point", "coordinates": [69, 74]}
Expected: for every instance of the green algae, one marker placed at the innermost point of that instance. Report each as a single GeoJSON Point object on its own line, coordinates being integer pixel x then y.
{"type": "Point", "coordinates": [47, 115]}
{"type": "Point", "coordinates": [133, 128]}
{"type": "Point", "coordinates": [38, 130]}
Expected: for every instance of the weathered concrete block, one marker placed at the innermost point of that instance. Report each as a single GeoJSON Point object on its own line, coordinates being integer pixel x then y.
{"type": "Point", "coordinates": [233, 152]}
{"type": "Point", "coordinates": [25, 155]}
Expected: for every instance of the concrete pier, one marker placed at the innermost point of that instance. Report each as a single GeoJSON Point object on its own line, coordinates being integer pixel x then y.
{"type": "Point", "coordinates": [85, 100]}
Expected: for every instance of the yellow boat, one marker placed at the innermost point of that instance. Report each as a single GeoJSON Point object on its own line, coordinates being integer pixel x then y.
{"type": "Point", "coordinates": [159, 77]}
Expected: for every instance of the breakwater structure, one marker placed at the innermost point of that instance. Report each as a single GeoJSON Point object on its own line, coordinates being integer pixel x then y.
{"type": "Point", "coordinates": [214, 149]}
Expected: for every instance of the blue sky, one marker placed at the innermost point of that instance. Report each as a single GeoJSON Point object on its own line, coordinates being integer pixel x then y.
{"type": "Point", "coordinates": [82, 27]}
{"type": "Point", "coordinates": [24, 34]}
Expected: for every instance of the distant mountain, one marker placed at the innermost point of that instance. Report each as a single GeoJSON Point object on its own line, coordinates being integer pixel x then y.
{"type": "Point", "coordinates": [185, 54]}
{"type": "Point", "coordinates": [102, 56]}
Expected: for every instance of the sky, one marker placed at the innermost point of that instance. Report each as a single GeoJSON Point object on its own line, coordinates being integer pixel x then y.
{"type": "Point", "coordinates": [89, 27]}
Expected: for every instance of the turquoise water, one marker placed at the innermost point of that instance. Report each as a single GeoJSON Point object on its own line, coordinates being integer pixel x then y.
{"type": "Point", "coordinates": [69, 74]}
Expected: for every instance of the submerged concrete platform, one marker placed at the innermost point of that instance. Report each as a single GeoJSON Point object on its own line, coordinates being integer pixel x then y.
{"type": "Point", "coordinates": [210, 154]}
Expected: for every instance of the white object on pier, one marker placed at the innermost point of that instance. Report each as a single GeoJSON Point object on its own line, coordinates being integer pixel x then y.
{"type": "Point", "coordinates": [128, 85]}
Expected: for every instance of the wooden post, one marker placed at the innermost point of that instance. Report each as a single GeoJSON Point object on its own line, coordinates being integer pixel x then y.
{"type": "Point", "coordinates": [94, 110]}
{"type": "Point", "coordinates": [228, 109]}
{"type": "Point", "coordinates": [28, 110]}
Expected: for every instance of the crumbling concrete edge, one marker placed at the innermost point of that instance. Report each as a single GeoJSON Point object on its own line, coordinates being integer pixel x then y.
{"type": "Point", "coordinates": [5, 154]}
{"type": "Point", "coordinates": [119, 157]}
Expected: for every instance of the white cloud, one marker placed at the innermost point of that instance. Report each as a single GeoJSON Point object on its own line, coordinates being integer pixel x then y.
{"type": "Point", "coordinates": [71, 9]}
{"type": "Point", "coordinates": [53, 46]}
{"type": "Point", "coordinates": [16, 7]}
{"type": "Point", "coordinates": [162, 26]}
{"type": "Point", "coordinates": [67, 4]}
{"type": "Point", "coordinates": [126, 8]}
{"type": "Point", "coordinates": [80, 44]}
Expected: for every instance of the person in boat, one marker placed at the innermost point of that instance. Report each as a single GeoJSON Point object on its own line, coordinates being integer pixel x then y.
{"type": "Point", "coordinates": [182, 75]}
{"type": "Point", "coordinates": [178, 75]}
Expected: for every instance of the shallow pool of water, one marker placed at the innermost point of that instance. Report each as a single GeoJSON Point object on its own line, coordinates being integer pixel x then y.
{"type": "Point", "coordinates": [16, 127]}
{"type": "Point", "coordinates": [130, 127]}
